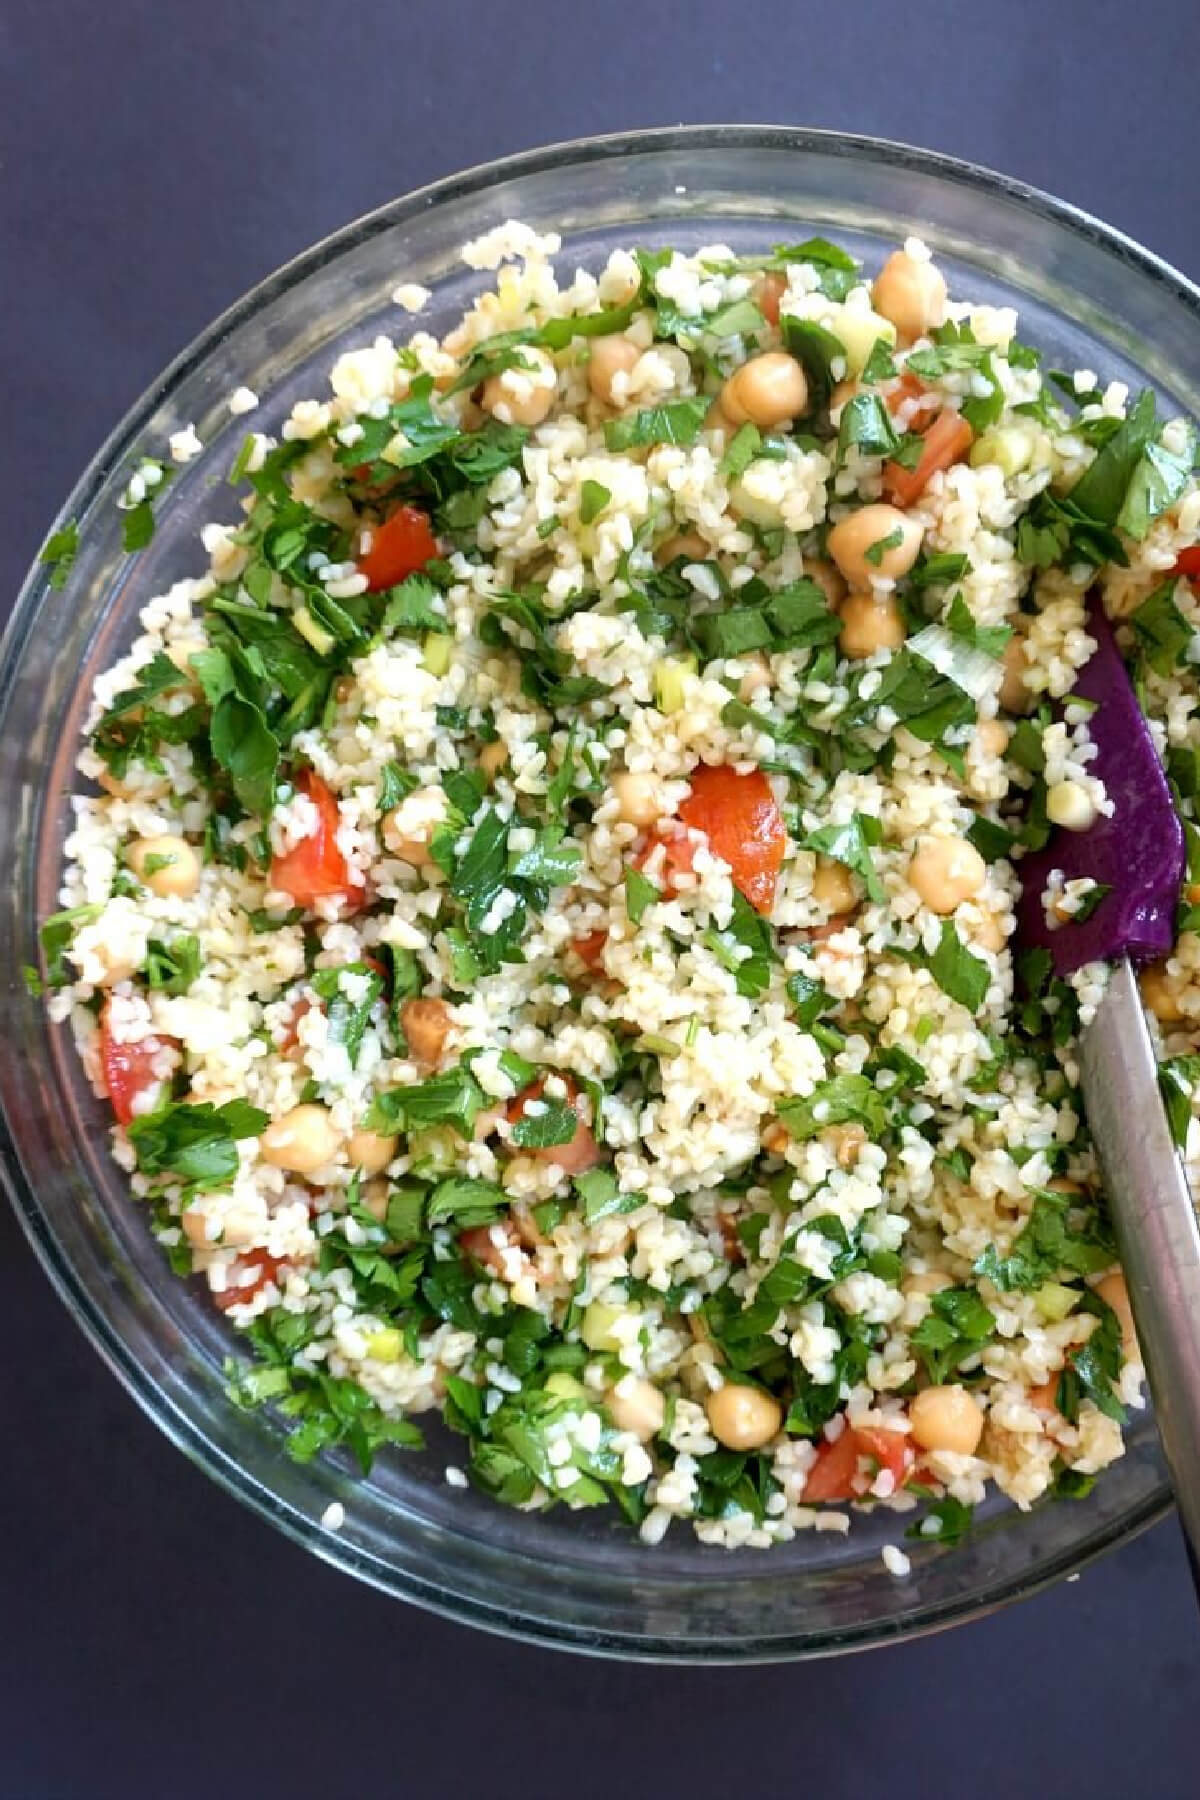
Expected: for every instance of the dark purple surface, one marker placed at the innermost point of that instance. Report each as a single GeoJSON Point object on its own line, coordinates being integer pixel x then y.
{"type": "Point", "coordinates": [1137, 851]}
{"type": "Point", "coordinates": [159, 1642]}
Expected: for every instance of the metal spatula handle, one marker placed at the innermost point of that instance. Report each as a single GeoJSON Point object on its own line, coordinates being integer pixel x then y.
{"type": "Point", "coordinates": [1155, 1223]}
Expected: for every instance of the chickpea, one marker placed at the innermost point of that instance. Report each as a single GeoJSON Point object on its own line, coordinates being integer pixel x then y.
{"type": "Point", "coordinates": [911, 293]}
{"type": "Point", "coordinates": [768, 391]}
{"type": "Point", "coordinates": [833, 886]}
{"type": "Point", "coordinates": [1015, 697]}
{"type": "Point", "coordinates": [300, 1141]}
{"type": "Point", "coordinates": [1160, 992]}
{"type": "Point", "coordinates": [373, 1197]}
{"type": "Point", "coordinates": [426, 1026]}
{"type": "Point", "coordinates": [992, 737]}
{"type": "Point", "coordinates": [945, 872]}
{"type": "Point", "coordinates": [926, 1281]}
{"type": "Point", "coordinates": [168, 865]}
{"type": "Point", "coordinates": [637, 1405]}
{"type": "Point", "coordinates": [845, 1142]}
{"type": "Point", "coordinates": [683, 543]}
{"type": "Point", "coordinates": [776, 1138]}
{"type": "Point", "coordinates": [611, 356]}
{"type": "Point", "coordinates": [1112, 1290]}
{"type": "Point", "coordinates": [521, 396]}
{"type": "Point", "coordinates": [638, 796]}
{"type": "Point", "coordinates": [946, 1418]}
{"type": "Point", "coordinates": [370, 1151]}
{"type": "Point", "coordinates": [492, 758]}
{"type": "Point", "coordinates": [410, 847]}
{"type": "Point", "coordinates": [870, 625]}
{"type": "Point", "coordinates": [743, 1418]}
{"type": "Point", "coordinates": [1070, 806]}
{"type": "Point", "coordinates": [195, 1228]}
{"type": "Point", "coordinates": [715, 418]}
{"type": "Point", "coordinates": [870, 529]}
{"type": "Point", "coordinates": [990, 934]}
{"type": "Point", "coordinates": [828, 578]}
{"type": "Point", "coordinates": [756, 674]}
{"type": "Point", "coordinates": [182, 653]}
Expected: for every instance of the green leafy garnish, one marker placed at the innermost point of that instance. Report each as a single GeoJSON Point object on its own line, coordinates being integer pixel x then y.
{"type": "Point", "coordinates": [674, 422]}
{"type": "Point", "coordinates": [198, 1144]}
{"type": "Point", "coordinates": [957, 971]}
{"type": "Point", "coordinates": [59, 553]}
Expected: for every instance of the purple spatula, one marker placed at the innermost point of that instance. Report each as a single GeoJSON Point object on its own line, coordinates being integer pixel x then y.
{"type": "Point", "coordinates": [1138, 852]}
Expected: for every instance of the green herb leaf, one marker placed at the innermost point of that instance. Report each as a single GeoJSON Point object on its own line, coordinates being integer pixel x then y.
{"type": "Point", "coordinates": [744, 446]}
{"type": "Point", "coordinates": [1162, 632]}
{"type": "Point", "coordinates": [593, 498]}
{"type": "Point", "coordinates": [959, 973]}
{"type": "Point", "coordinates": [841, 1100]}
{"type": "Point", "coordinates": [1159, 478]}
{"type": "Point", "coordinates": [557, 1124]}
{"type": "Point", "coordinates": [465, 1201]}
{"type": "Point", "coordinates": [674, 422]}
{"type": "Point", "coordinates": [866, 426]}
{"type": "Point", "coordinates": [59, 552]}
{"type": "Point", "coordinates": [196, 1143]}
{"type": "Point", "coordinates": [817, 350]}
{"type": "Point", "coordinates": [1101, 489]}
{"type": "Point", "coordinates": [640, 892]}
{"type": "Point", "coordinates": [172, 968]}
{"type": "Point", "coordinates": [879, 366]}
{"type": "Point", "coordinates": [851, 844]}
{"type": "Point", "coordinates": [1048, 1246]}
{"type": "Point", "coordinates": [453, 1098]}
{"type": "Point", "coordinates": [956, 1327]}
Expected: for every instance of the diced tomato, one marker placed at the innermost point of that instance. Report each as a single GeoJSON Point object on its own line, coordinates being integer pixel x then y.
{"type": "Point", "coordinates": [838, 1473]}
{"type": "Point", "coordinates": [739, 816]}
{"type": "Point", "coordinates": [908, 387]}
{"type": "Point", "coordinates": [400, 546]}
{"type": "Point", "coordinates": [1044, 1399]}
{"type": "Point", "coordinates": [291, 1031]}
{"type": "Point", "coordinates": [947, 441]}
{"type": "Point", "coordinates": [678, 858]}
{"type": "Point", "coordinates": [478, 1243]}
{"type": "Point", "coordinates": [266, 1267]}
{"type": "Point", "coordinates": [316, 869]}
{"type": "Point", "coordinates": [768, 293]}
{"type": "Point", "coordinates": [1188, 563]}
{"type": "Point", "coordinates": [128, 1069]}
{"type": "Point", "coordinates": [582, 1152]}
{"type": "Point", "coordinates": [590, 948]}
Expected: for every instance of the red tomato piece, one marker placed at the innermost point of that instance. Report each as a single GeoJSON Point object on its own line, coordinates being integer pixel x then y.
{"type": "Point", "coordinates": [768, 294]}
{"type": "Point", "coordinates": [128, 1070]}
{"type": "Point", "coordinates": [582, 1152]}
{"type": "Point", "coordinates": [265, 1266]}
{"type": "Point", "coordinates": [315, 868]}
{"type": "Point", "coordinates": [911, 387]}
{"type": "Point", "coordinates": [678, 858]}
{"type": "Point", "coordinates": [400, 546]}
{"type": "Point", "coordinates": [590, 949]}
{"type": "Point", "coordinates": [1188, 563]}
{"type": "Point", "coordinates": [744, 826]}
{"type": "Point", "coordinates": [478, 1243]}
{"type": "Point", "coordinates": [837, 1473]}
{"type": "Point", "coordinates": [947, 441]}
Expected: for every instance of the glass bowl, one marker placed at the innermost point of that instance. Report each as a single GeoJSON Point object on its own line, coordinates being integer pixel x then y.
{"type": "Point", "coordinates": [1090, 298]}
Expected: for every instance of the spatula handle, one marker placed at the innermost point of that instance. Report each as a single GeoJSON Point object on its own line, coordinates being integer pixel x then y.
{"type": "Point", "coordinates": [1155, 1223]}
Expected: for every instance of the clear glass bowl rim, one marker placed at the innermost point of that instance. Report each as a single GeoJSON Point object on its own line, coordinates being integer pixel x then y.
{"type": "Point", "coordinates": [113, 454]}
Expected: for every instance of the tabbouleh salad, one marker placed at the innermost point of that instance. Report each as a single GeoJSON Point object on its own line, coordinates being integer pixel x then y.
{"type": "Point", "coordinates": [542, 912]}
